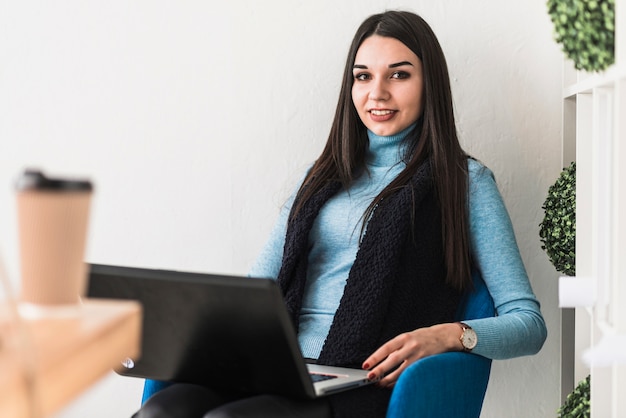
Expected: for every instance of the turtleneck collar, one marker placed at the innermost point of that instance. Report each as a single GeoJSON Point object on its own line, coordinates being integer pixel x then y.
{"type": "Point", "coordinates": [386, 151]}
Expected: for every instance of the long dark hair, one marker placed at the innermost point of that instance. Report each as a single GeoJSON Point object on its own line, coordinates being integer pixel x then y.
{"type": "Point", "coordinates": [434, 139]}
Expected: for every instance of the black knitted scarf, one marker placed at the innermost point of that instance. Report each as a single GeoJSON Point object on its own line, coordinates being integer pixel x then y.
{"type": "Point", "coordinates": [396, 284]}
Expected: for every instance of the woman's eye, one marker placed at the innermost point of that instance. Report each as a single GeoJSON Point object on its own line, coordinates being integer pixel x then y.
{"type": "Point", "coordinates": [400, 75]}
{"type": "Point", "coordinates": [361, 76]}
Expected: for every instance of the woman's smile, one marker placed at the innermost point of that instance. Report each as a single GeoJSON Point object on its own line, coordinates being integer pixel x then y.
{"type": "Point", "coordinates": [379, 115]}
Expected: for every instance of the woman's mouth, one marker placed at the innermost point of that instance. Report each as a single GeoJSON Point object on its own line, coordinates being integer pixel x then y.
{"type": "Point", "coordinates": [381, 115]}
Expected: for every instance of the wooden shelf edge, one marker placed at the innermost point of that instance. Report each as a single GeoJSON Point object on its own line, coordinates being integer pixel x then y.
{"type": "Point", "coordinates": [68, 355]}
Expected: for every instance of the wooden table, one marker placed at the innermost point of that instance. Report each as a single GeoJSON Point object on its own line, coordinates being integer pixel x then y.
{"type": "Point", "coordinates": [46, 362]}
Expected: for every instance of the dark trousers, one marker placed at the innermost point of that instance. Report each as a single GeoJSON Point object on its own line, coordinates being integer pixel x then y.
{"type": "Point", "coordinates": [192, 401]}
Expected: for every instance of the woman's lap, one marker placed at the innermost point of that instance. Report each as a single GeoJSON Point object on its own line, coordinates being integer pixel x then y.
{"type": "Point", "coordinates": [193, 401]}
{"type": "Point", "coordinates": [272, 406]}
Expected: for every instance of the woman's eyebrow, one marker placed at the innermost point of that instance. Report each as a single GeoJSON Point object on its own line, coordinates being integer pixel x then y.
{"type": "Point", "coordinates": [400, 64]}
{"type": "Point", "coordinates": [395, 65]}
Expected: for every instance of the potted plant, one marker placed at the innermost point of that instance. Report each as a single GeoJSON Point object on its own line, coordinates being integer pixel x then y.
{"type": "Point", "coordinates": [577, 403]}
{"type": "Point", "coordinates": [558, 228]}
{"type": "Point", "coordinates": [558, 236]}
{"type": "Point", "coordinates": [586, 30]}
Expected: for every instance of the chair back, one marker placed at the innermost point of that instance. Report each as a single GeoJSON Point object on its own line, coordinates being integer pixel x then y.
{"type": "Point", "coordinates": [476, 303]}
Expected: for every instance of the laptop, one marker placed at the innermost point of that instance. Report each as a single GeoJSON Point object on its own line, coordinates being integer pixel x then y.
{"type": "Point", "coordinates": [232, 332]}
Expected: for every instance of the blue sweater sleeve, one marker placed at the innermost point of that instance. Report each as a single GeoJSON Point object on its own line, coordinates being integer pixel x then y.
{"type": "Point", "coordinates": [519, 328]}
{"type": "Point", "coordinates": [269, 260]}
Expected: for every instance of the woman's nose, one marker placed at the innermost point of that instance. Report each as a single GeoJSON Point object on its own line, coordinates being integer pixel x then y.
{"type": "Point", "coordinates": [379, 90]}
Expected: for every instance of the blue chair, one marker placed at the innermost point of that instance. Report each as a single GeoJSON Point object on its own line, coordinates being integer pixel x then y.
{"type": "Point", "coordinates": [447, 385]}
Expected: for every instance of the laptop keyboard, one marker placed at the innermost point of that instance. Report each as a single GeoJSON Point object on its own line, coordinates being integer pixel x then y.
{"type": "Point", "coordinates": [317, 377]}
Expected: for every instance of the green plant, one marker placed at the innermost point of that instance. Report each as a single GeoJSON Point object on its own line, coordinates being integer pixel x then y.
{"type": "Point", "coordinates": [586, 29]}
{"type": "Point", "coordinates": [558, 228]}
{"type": "Point", "coordinates": [578, 404]}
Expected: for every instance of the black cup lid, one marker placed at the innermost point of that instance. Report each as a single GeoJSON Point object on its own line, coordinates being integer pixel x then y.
{"type": "Point", "coordinates": [36, 180]}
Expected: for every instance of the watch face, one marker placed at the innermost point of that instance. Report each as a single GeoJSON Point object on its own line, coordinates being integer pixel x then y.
{"type": "Point", "coordinates": [469, 339]}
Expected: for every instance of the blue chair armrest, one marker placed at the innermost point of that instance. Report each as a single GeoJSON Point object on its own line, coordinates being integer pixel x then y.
{"type": "Point", "coordinates": [150, 387]}
{"type": "Point", "coordinates": [446, 385]}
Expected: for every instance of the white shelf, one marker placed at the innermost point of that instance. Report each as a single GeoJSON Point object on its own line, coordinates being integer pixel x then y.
{"type": "Point", "coordinates": [608, 352]}
{"type": "Point", "coordinates": [594, 124]}
{"type": "Point", "coordinates": [586, 83]}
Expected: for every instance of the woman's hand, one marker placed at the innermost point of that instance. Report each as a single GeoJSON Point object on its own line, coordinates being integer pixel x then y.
{"type": "Point", "coordinates": [394, 356]}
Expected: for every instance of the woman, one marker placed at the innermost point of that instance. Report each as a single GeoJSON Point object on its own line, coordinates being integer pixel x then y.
{"type": "Point", "coordinates": [375, 250]}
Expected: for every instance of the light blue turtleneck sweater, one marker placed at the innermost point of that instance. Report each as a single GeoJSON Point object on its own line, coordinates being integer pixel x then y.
{"type": "Point", "coordinates": [519, 328]}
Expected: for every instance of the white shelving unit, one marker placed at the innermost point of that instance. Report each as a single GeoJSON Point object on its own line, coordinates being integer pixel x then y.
{"type": "Point", "coordinates": [594, 134]}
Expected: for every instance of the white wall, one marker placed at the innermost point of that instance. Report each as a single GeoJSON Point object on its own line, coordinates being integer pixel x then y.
{"type": "Point", "coordinates": [194, 118]}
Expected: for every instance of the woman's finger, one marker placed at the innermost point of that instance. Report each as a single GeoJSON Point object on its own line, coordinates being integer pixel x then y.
{"type": "Point", "coordinates": [390, 379]}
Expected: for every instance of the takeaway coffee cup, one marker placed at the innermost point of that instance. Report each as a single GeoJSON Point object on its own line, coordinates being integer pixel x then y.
{"type": "Point", "coordinates": [52, 228]}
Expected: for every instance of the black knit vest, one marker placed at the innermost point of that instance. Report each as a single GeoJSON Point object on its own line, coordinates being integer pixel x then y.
{"type": "Point", "coordinates": [396, 284]}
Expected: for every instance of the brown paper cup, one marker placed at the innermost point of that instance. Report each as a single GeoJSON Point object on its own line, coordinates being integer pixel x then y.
{"type": "Point", "coordinates": [52, 226]}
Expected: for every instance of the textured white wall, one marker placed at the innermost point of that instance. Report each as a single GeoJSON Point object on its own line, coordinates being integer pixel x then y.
{"type": "Point", "coordinates": [194, 119]}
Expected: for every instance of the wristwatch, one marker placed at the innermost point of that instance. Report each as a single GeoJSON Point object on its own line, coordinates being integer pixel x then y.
{"type": "Point", "coordinates": [468, 337]}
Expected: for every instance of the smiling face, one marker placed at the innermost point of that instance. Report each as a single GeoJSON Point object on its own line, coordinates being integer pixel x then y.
{"type": "Point", "coordinates": [388, 85]}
